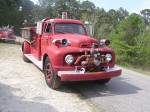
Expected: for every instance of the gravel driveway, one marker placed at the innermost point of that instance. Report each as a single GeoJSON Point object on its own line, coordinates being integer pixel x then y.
{"type": "Point", "coordinates": [23, 87]}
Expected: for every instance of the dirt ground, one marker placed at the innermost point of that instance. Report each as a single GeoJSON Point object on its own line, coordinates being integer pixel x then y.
{"type": "Point", "coordinates": [23, 87]}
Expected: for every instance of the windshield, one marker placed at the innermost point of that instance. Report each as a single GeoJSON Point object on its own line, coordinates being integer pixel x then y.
{"type": "Point", "coordinates": [61, 28]}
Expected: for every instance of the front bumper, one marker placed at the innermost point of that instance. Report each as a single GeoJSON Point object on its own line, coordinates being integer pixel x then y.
{"type": "Point", "coordinates": [80, 76]}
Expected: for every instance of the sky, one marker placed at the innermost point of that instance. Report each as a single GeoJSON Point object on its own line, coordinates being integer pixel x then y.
{"type": "Point", "coordinates": [130, 5]}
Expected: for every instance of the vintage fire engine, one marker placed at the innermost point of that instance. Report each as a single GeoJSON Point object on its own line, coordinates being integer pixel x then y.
{"type": "Point", "coordinates": [7, 33]}
{"type": "Point", "coordinates": [65, 52]}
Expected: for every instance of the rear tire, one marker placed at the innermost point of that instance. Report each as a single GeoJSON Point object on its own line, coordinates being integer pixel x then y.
{"type": "Point", "coordinates": [52, 80]}
{"type": "Point", "coordinates": [103, 81]}
{"type": "Point", "coordinates": [24, 57]}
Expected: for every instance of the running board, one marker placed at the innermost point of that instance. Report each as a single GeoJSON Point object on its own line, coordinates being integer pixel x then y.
{"type": "Point", "coordinates": [35, 61]}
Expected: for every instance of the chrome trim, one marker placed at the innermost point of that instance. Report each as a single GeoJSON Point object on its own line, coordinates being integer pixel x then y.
{"type": "Point", "coordinates": [81, 72]}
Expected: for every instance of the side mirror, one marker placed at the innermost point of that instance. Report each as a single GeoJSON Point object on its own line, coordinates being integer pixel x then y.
{"type": "Point", "coordinates": [39, 28]}
{"type": "Point", "coordinates": [89, 28]}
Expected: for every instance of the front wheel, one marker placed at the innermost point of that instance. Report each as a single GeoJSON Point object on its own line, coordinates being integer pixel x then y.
{"type": "Point", "coordinates": [52, 80]}
{"type": "Point", "coordinates": [103, 81]}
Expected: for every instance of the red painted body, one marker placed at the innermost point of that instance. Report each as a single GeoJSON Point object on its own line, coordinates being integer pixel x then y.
{"type": "Point", "coordinates": [90, 76]}
{"type": "Point", "coordinates": [79, 44]}
{"type": "Point", "coordinates": [7, 34]}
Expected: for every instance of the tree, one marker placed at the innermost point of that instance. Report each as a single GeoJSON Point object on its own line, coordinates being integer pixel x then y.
{"type": "Point", "coordinates": [11, 15]}
{"type": "Point", "coordinates": [87, 6]}
{"type": "Point", "coordinates": [122, 14]}
{"type": "Point", "coordinates": [131, 28]}
{"type": "Point", "coordinates": [106, 22]}
{"type": "Point", "coordinates": [146, 14]}
{"type": "Point", "coordinates": [54, 8]}
{"type": "Point", "coordinates": [126, 40]}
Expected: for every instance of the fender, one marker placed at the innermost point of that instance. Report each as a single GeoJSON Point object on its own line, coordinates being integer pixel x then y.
{"type": "Point", "coordinates": [54, 54]}
{"type": "Point", "coordinates": [26, 48]}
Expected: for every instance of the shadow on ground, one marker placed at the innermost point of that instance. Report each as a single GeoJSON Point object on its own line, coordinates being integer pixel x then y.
{"type": "Point", "coordinates": [11, 103]}
{"type": "Point", "coordinates": [91, 89]}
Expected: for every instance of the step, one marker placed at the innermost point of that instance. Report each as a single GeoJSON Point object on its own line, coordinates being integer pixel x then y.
{"type": "Point", "coordinates": [35, 61]}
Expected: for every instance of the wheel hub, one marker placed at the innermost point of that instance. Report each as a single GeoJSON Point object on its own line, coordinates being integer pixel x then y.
{"type": "Point", "coordinates": [48, 72]}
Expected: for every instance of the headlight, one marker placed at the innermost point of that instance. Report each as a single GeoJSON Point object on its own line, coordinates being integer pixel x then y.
{"type": "Point", "coordinates": [69, 59]}
{"type": "Point", "coordinates": [64, 42]}
{"type": "Point", "coordinates": [108, 58]}
{"type": "Point", "coordinates": [60, 43]}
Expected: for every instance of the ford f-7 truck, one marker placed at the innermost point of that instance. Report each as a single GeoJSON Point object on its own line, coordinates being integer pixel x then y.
{"type": "Point", "coordinates": [64, 51]}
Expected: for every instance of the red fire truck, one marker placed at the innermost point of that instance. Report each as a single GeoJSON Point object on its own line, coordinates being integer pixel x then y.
{"type": "Point", "coordinates": [7, 33]}
{"type": "Point", "coordinates": [62, 49]}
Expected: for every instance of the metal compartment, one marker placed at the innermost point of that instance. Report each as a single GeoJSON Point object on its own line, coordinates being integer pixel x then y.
{"type": "Point", "coordinates": [26, 33]}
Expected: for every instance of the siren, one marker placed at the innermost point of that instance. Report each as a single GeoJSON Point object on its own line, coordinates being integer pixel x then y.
{"type": "Point", "coordinates": [64, 15]}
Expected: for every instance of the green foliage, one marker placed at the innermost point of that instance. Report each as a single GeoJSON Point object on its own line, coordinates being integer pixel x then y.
{"type": "Point", "coordinates": [132, 42]}
{"type": "Point", "coordinates": [131, 28]}
{"type": "Point", "coordinates": [12, 16]}
{"type": "Point", "coordinates": [146, 15]}
{"type": "Point", "coordinates": [107, 21]}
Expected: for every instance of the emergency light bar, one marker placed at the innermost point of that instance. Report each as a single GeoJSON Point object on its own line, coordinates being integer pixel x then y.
{"type": "Point", "coordinates": [64, 15]}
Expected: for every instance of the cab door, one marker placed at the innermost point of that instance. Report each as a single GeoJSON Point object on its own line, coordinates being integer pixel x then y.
{"type": "Point", "coordinates": [35, 43]}
{"type": "Point", "coordinates": [46, 37]}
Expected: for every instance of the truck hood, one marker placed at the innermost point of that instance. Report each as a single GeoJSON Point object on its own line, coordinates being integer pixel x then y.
{"type": "Point", "coordinates": [78, 40]}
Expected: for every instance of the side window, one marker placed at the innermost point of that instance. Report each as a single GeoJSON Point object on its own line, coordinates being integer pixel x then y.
{"type": "Point", "coordinates": [48, 28]}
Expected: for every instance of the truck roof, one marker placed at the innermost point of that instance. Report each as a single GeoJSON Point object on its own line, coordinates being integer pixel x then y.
{"type": "Point", "coordinates": [64, 21]}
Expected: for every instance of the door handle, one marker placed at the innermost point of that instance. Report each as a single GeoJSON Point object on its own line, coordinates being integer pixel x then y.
{"type": "Point", "coordinates": [46, 37]}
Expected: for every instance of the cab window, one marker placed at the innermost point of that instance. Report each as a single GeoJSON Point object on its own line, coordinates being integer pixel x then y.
{"type": "Point", "coordinates": [48, 28]}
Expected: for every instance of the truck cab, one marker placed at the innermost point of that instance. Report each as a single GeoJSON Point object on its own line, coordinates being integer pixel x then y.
{"type": "Point", "coordinates": [64, 51]}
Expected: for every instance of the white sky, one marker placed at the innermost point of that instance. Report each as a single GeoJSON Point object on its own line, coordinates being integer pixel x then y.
{"type": "Point", "coordinates": [129, 5]}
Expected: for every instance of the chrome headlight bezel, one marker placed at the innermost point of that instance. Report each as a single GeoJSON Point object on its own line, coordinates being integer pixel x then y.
{"type": "Point", "coordinates": [69, 59]}
{"type": "Point", "coordinates": [64, 42]}
{"type": "Point", "coordinates": [108, 58]}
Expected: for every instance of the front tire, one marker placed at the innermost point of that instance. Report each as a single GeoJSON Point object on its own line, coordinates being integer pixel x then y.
{"type": "Point", "coordinates": [52, 80]}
